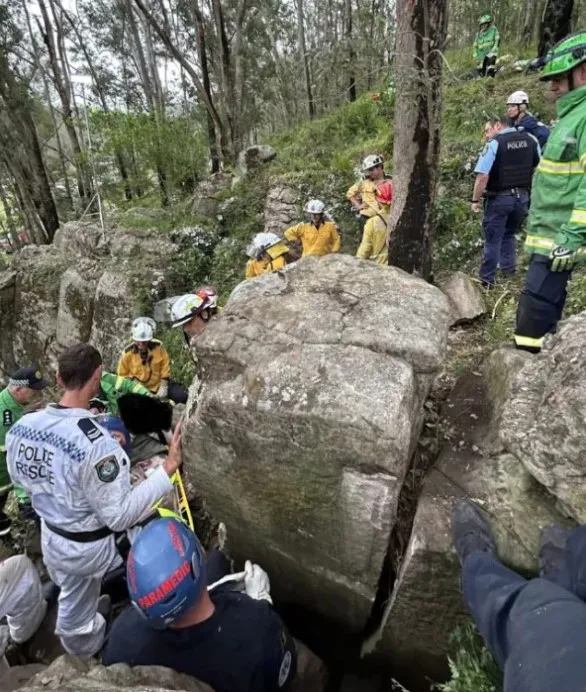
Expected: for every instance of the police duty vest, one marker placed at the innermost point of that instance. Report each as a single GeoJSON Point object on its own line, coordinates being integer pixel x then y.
{"type": "Point", "coordinates": [514, 162]}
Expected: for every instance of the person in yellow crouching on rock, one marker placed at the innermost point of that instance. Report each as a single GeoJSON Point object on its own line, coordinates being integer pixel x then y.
{"type": "Point", "coordinates": [146, 360]}
{"type": "Point", "coordinates": [318, 237]}
{"type": "Point", "coordinates": [374, 239]}
{"type": "Point", "coordinates": [267, 254]}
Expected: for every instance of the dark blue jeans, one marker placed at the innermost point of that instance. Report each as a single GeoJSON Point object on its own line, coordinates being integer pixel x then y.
{"type": "Point", "coordinates": [536, 629]}
{"type": "Point", "coordinates": [503, 215]}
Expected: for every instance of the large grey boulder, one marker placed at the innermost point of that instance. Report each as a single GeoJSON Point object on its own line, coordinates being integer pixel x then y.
{"type": "Point", "coordinates": [254, 156]}
{"type": "Point", "coordinates": [465, 298]}
{"type": "Point", "coordinates": [283, 207]}
{"type": "Point", "coordinates": [543, 420]}
{"type": "Point", "coordinates": [426, 603]}
{"type": "Point", "coordinates": [71, 674]}
{"type": "Point", "coordinates": [76, 303]}
{"type": "Point", "coordinates": [311, 403]}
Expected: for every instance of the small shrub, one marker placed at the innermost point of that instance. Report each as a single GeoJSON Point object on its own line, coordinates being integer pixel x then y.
{"type": "Point", "coordinates": [471, 665]}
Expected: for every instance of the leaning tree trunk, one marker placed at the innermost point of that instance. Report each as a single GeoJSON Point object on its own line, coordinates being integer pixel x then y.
{"type": "Point", "coordinates": [421, 32]}
{"type": "Point", "coordinates": [305, 59]}
{"type": "Point", "coordinates": [556, 23]}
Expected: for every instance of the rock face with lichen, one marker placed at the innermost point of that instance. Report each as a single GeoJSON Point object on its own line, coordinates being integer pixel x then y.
{"type": "Point", "coordinates": [86, 286]}
{"type": "Point", "coordinates": [311, 405]}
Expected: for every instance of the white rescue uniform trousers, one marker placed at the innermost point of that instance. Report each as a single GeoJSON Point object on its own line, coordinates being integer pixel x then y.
{"type": "Point", "coordinates": [21, 597]}
{"type": "Point", "coordinates": [78, 570]}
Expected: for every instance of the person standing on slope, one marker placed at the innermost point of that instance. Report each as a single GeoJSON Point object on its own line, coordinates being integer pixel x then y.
{"type": "Point", "coordinates": [362, 196]}
{"type": "Point", "coordinates": [520, 117]}
{"type": "Point", "coordinates": [503, 177]}
{"type": "Point", "coordinates": [556, 233]}
{"type": "Point", "coordinates": [374, 245]}
{"type": "Point", "coordinates": [486, 47]}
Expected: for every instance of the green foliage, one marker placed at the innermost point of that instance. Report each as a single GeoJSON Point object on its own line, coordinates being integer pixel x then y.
{"type": "Point", "coordinates": [175, 144]}
{"type": "Point", "coordinates": [576, 301]}
{"type": "Point", "coordinates": [182, 361]}
{"type": "Point", "coordinates": [471, 665]}
{"type": "Point", "coordinates": [338, 140]}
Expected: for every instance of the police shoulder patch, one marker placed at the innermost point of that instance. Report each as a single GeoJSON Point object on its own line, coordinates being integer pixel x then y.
{"type": "Point", "coordinates": [285, 668]}
{"type": "Point", "coordinates": [89, 429]}
{"type": "Point", "coordinates": [7, 418]}
{"type": "Point", "coordinates": [108, 469]}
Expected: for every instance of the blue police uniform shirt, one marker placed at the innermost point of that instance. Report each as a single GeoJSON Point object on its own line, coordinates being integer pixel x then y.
{"type": "Point", "coordinates": [486, 160]}
{"type": "Point", "coordinates": [243, 647]}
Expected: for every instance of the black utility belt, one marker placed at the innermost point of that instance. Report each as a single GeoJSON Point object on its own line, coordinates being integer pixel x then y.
{"type": "Point", "coordinates": [508, 191]}
{"type": "Point", "coordinates": [81, 536]}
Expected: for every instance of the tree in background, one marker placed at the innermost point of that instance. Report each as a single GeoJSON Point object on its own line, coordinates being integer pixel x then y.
{"type": "Point", "coordinates": [555, 24]}
{"type": "Point", "coordinates": [421, 34]}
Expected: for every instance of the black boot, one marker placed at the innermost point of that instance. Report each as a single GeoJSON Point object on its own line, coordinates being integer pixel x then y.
{"type": "Point", "coordinates": [470, 530]}
{"type": "Point", "coordinates": [552, 546]}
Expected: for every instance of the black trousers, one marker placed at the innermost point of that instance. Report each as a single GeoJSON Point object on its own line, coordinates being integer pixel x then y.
{"type": "Point", "coordinates": [541, 303]}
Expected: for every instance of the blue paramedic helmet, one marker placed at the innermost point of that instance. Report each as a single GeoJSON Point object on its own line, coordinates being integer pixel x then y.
{"type": "Point", "coordinates": [165, 571]}
{"type": "Point", "coordinates": [113, 424]}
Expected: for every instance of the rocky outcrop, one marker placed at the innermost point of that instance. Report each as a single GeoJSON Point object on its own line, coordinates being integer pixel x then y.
{"type": "Point", "coordinates": [208, 195]}
{"type": "Point", "coordinates": [71, 674]}
{"type": "Point", "coordinates": [426, 603]}
{"type": "Point", "coordinates": [112, 316]}
{"type": "Point", "coordinates": [283, 207]}
{"type": "Point", "coordinates": [543, 420]}
{"type": "Point", "coordinates": [311, 404]}
{"type": "Point", "coordinates": [254, 156]}
{"type": "Point", "coordinates": [36, 305]}
{"type": "Point", "coordinates": [465, 298]}
{"type": "Point", "coordinates": [76, 303]}
{"type": "Point", "coordinates": [88, 285]}
{"type": "Point", "coordinates": [8, 322]}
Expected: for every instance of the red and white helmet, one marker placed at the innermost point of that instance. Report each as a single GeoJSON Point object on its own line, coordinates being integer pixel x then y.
{"type": "Point", "coordinates": [384, 192]}
{"type": "Point", "coordinates": [209, 296]}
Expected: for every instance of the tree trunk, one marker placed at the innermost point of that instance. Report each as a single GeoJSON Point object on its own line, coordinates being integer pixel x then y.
{"type": "Point", "coordinates": [222, 128]}
{"type": "Point", "coordinates": [421, 33]}
{"type": "Point", "coordinates": [205, 78]}
{"type": "Point", "coordinates": [304, 57]}
{"type": "Point", "coordinates": [556, 24]}
{"type": "Point", "coordinates": [61, 82]}
{"type": "Point", "coordinates": [529, 22]}
{"type": "Point", "coordinates": [10, 224]}
{"type": "Point", "coordinates": [118, 153]}
{"type": "Point", "coordinates": [351, 53]}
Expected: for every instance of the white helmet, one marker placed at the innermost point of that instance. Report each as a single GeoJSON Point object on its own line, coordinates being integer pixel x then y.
{"type": "Point", "coordinates": [186, 308]}
{"type": "Point", "coordinates": [518, 98]}
{"type": "Point", "coordinates": [261, 242]}
{"type": "Point", "coordinates": [143, 329]}
{"type": "Point", "coordinates": [315, 206]}
{"type": "Point", "coordinates": [371, 162]}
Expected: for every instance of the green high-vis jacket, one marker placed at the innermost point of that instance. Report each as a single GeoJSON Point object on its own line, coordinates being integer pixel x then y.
{"type": "Point", "coordinates": [10, 412]}
{"type": "Point", "coordinates": [558, 196]}
{"type": "Point", "coordinates": [486, 43]}
{"type": "Point", "coordinates": [113, 386]}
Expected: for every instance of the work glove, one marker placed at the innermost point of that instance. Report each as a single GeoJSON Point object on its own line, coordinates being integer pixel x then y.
{"type": "Point", "coordinates": [163, 390]}
{"type": "Point", "coordinates": [563, 259]}
{"type": "Point", "coordinates": [256, 582]}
